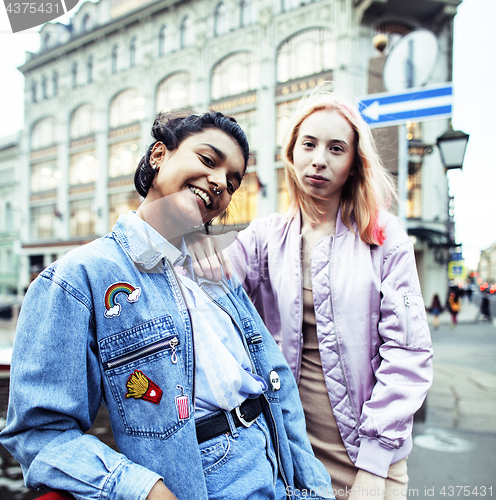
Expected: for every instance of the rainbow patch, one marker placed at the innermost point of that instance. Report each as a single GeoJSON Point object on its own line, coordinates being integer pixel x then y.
{"type": "Point", "coordinates": [112, 308]}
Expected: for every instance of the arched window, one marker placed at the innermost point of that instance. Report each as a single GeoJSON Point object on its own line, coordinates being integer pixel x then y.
{"type": "Point", "coordinates": [82, 121]}
{"type": "Point", "coordinates": [34, 92]}
{"type": "Point", "coordinates": [46, 41]}
{"type": "Point", "coordinates": [44, 87]}
{"type": "Point", "coordinates": [234, 74]}
{"type": "Point", "coordinates": [162, 40]}
{"type": "Point", "coordinates": [186, 33]}
{"type": "Point", "coordinates": [220, 19]}
{"type": "Point", "coordinates": [126, 107]}
{"type": "Point", "coordinates": [309, 52]}
{"type": "Point", "coordinates": [43, 133]}
{"type": "Point", "coordinates": [74, 75]}
{"type": "Point", "coordinates": [86, 25]}
{"type": "Point", "coordinates": [174, 92]}
{"type": "Point", "coordinates": [115, 59]}
{"type": "Point", "coordinates": [55, 83]}
{"type": "Point", "coordinates": [245, 13]}
{"type": "Point", "coordinates": [133, 47]}
{"type": "Point", "coordinates": [89, 69]}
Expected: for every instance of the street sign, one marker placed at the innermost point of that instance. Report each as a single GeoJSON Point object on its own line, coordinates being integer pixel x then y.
{"type": "Point", "coordinates": [416, 104]}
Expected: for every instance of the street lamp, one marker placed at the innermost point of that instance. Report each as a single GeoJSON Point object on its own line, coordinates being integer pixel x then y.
{"type": "Point", "coordinates": [452, 145]}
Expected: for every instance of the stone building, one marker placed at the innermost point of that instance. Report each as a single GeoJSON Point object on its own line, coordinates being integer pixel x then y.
{"type": "Point", "coordinates": [94, 87]}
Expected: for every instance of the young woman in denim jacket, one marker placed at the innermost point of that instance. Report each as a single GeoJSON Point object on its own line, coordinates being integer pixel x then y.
{"type": "Point", "coordinates": [336, 284]}
{"type": "Point", "coordinates": [122, 321]}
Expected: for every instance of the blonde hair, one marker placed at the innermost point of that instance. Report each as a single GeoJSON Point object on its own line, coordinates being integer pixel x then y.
{"type": "Point", "coordinates": [366, 192]}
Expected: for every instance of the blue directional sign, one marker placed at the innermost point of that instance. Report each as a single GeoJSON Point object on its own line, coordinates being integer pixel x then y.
{"type": "Point", "coordinates": [417, 104]}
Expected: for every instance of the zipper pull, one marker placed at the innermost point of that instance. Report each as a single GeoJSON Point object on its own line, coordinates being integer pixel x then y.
{"type": "Point", "coordinates": [173, 343]}
{"type": "Point", "coordinates": [407, 299]}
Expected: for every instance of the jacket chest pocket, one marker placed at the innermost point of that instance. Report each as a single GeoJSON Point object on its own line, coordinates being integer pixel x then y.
{"type": "Point", "coordinates": [144, 369]}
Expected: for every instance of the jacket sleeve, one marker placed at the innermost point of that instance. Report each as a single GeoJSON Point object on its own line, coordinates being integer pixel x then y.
{"type": "Point", "coordinates": [55, 394]}
{"type": "Point", "coordinates": [310, 478]}
{"type": "Point", "coordinates": [403, 366]}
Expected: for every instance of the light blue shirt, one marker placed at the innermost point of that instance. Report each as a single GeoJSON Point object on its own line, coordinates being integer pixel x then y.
{"type": "Point", "coordinates": [247, 384]}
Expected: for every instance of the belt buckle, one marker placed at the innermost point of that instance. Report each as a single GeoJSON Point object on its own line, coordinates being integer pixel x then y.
{"type": "Point", "coordinates": [241, 417]}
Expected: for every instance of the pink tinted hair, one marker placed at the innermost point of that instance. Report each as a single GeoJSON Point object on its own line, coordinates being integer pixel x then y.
{"type": "Point", "coordinates": [365, 193]}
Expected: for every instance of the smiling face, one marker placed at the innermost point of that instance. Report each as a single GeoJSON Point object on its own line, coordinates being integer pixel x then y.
{"type": "Point", "coordinates": [206, 167]}
{"type": "Point", "coordinates": [323, 155]}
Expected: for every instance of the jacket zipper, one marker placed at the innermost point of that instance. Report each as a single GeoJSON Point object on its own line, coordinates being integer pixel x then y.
{"type": "Point", "coordinates": [240, 331]}
{"type": "Point", "coordinates": [159, 345]}
{"type": "Point", "coordinates": [300, 331]}
{"type": "Point", "coordinates": [407, 304]}
{"type": "Point", "coordinates": [336, 334]}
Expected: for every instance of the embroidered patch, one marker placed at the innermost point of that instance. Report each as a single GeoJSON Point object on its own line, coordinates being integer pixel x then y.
{"type": "Point", "coordinates": [111, 306]}
{"type": "Point", "coordinates": [275, 380]}
{"type": "Point", "coordinates": [139, 386]}
{"type": "Point", "coordinates": [182, 404]}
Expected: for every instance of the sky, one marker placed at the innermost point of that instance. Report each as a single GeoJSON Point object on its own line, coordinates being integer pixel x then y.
{"type": "Point", "coordinates": [474, 82]}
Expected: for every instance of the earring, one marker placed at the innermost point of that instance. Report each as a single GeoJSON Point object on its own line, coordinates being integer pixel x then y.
{"type": "Point", "coordinates": [153, 164]}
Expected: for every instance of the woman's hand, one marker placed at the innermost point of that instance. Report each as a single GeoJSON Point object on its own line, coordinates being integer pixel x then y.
{"type": "Point", "coordinates": [367, 486]}
{"type": "Point", "coordinates": [160, 492]}
{"type": "Point", "coordinates": [207, 253]}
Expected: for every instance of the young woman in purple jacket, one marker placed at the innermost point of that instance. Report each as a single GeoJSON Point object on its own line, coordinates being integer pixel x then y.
{"type": "Point", "coordinates": [336, 283]}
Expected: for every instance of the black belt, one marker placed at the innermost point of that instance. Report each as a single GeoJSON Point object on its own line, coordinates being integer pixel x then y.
{"type": "Point", "coordinates": [216, 424]}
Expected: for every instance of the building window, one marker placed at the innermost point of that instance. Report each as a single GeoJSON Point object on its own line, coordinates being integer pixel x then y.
{"type": "Point", "coordinates": [74, 75]}
{"type": "Point", "coordinates": [162, 41]}
{"type": "Point", "coordinates": [82, 168]}
{"type": "Point", "coordinates": [9, 218]}
{"type": "Point", "coordinates": [186, 33]}
{"type": "Point", "coordinates": [123, 158]}
{"type": "Point", "coordinates": [287, 5]}
{"type": "Point", "coordinates": [126, 107]}
{"type": "Point", "coordinates": [247, 120]}
{"type": "Point", "coordinates": [43, 133]}
{"type": "Point", "coordinates": [174, 92]}
{"type": "Point", "coordinates": [89, 68]}
{"type": "Point", "coordinates": [282, 191]}
{"type": "Point", "coordinates": [235, 74]}
{"type": "Point", "coordinates": [115, 59]}
{"type": "Point", "coordinates": [86, 24]}
{"type": "Point", "coordinates": [309, 52]}
{"type": "Point", "coordinates": [46, 41]}
{"type": "Point", "coordinates": [283, 115]}
{"type": "Point", "coordinates": [34, 92]}
{"type": "Point", "coordinates": [44, 177]}
{"type": "Point", "coordinates": [243, 206]}
{"type": "Point", "coordinates": [44, 89]}
{"type": "Point", "coordinates": [245, 13]}
{"type": "Point", "coordinates": [82, 121]}
{"type": "Point", "coordinates": [121, 203]}
{"type": "Point", "coordinates": [220, 19]}
{"type": "Point", "coordinates": [82, 218]}
{"type": "Point", "coordinates": [43, 221]}
{"type": "Point", "coordinates": [132, 52]}
{"type": "Point", "coordinates": [55, 83]}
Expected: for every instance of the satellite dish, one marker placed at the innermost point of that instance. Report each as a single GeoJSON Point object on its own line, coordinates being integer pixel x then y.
{"type": "Point", "coordinates": [411, 61]}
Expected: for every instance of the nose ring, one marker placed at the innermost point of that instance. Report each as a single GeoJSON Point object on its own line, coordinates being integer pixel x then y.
{"type": "Point", "coordinates": [217, 190]}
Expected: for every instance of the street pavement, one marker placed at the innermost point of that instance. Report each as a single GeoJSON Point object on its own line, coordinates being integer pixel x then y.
{"type": "Point", "coordinates": [454, 438]}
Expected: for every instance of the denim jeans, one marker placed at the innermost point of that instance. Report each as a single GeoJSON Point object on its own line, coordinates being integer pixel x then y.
{"type": "Point", "coordinates": [242, 465]}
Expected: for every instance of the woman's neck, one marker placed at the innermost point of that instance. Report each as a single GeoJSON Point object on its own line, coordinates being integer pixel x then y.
{"type": "Point", "coordinates": [326, 222]}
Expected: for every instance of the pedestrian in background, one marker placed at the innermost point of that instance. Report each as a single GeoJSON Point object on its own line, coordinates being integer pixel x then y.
{"type": "Point", "coordinates": [336, 284]}
{"type": "Point", "coordinates": [454, 306]}
{"type": "Point", "coordinates": [436, 309]}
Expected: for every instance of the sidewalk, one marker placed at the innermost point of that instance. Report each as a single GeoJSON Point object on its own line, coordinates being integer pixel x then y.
{"type": "Point", "coordinates": [467, 314]}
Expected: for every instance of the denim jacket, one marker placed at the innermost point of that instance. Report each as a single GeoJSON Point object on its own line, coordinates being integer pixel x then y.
{"type": "Point", "coordinates": [106, 312]}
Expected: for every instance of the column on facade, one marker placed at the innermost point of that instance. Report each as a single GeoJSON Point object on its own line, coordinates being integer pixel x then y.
{"type": "Point", "coordinates": [102, 155]}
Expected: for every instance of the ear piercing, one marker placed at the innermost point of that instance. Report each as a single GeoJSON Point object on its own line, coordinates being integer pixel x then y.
{"type": "Point", "coordinates": [153, 164]}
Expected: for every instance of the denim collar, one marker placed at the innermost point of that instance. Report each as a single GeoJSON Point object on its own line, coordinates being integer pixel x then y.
{"type": "Point", "coordinates": [145, 245]}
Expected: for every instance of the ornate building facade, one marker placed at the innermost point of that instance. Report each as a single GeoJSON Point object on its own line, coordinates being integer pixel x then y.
{"type": "Point", "coordinates": [96, 85]}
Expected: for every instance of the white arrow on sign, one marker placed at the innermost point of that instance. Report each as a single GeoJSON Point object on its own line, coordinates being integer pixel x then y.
{"type": "Point", "coordinates": [377, 109]}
